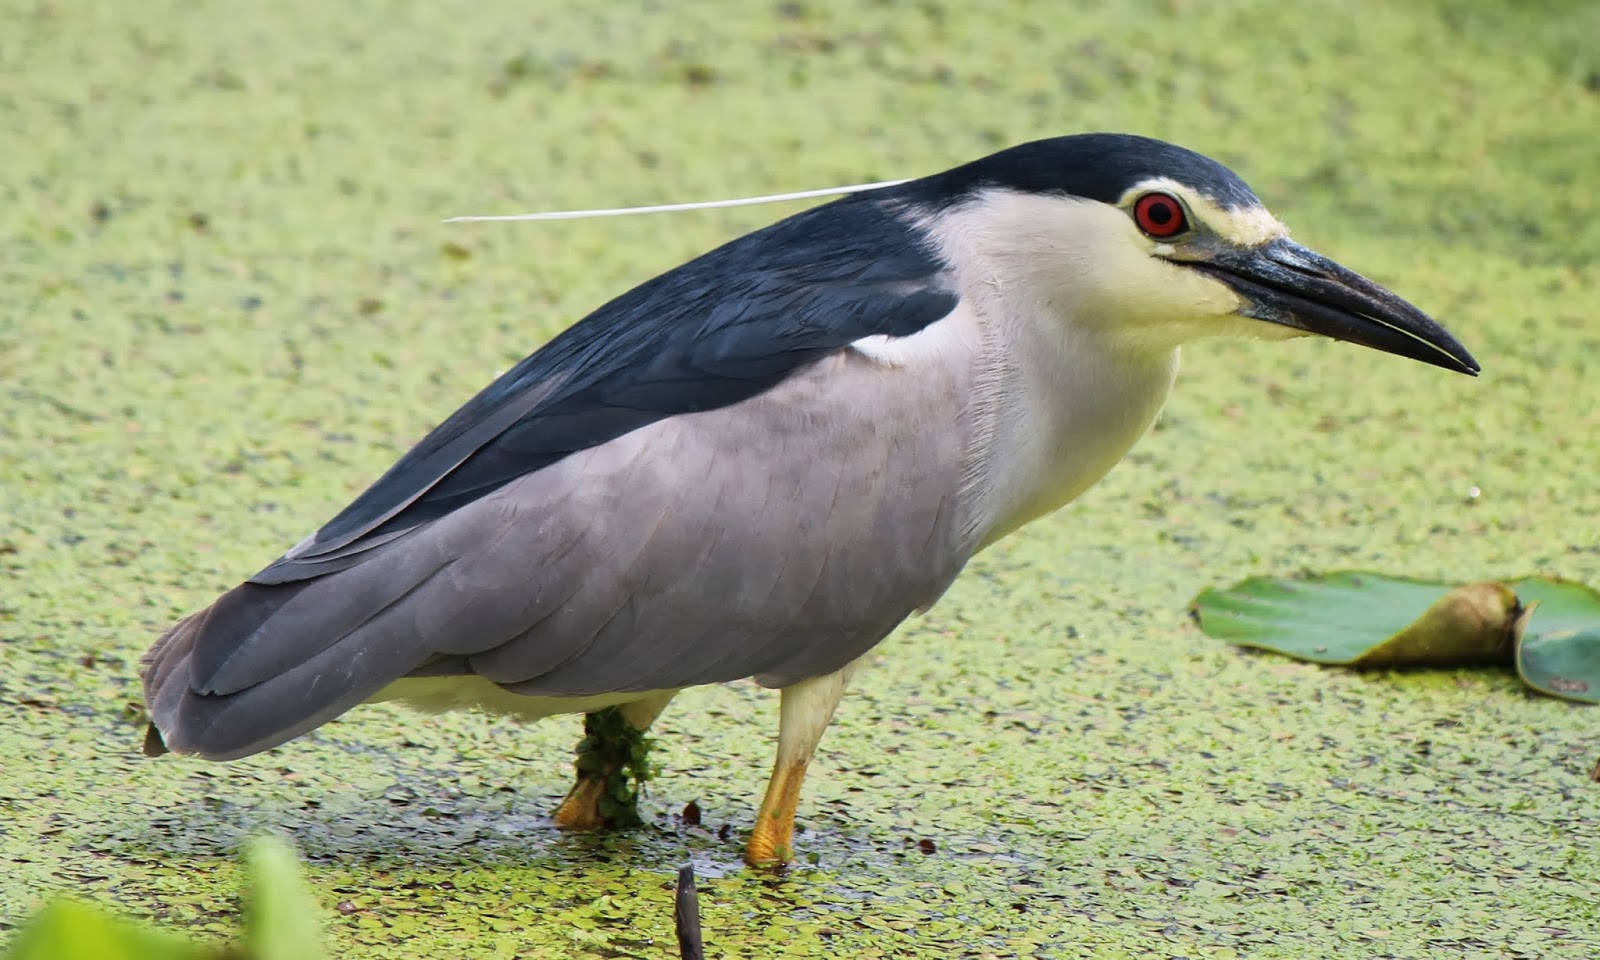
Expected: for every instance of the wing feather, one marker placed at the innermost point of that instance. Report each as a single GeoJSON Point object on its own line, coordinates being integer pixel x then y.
{"type": "Point", "coordinates": [718, 330]}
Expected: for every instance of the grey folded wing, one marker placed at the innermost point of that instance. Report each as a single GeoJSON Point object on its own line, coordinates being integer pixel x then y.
{"type": "Point", "coordinates": [707, 501]}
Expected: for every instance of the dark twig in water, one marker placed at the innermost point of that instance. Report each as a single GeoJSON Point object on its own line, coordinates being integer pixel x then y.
{"type": "Point", "coordinates": [686, 917]}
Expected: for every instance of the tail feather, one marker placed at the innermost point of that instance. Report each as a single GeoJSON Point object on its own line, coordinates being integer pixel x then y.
{"type": "Point", "coordinates": [267, 663]}
{"type": "Point", "coordinates": [155, 671]}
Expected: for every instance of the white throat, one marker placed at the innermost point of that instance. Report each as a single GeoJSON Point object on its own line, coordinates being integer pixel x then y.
{"type": "Point", "coordinates": [1059, 397]}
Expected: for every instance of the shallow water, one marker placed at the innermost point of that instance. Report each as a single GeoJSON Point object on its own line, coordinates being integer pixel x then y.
{"type": "Point", "coordinates": [227, 303]}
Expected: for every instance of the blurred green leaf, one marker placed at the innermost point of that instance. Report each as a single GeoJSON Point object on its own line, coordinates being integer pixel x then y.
{"type": "Point", "coordinates": [280, 917]}
{"type": "Point", "coordinates": [280, 923]}
{"type": "Point", "coordinates": [67, 930]}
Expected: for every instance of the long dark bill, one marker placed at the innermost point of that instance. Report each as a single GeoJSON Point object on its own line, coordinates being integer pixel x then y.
{"type": "Point", "coordinates": [1283, 282]}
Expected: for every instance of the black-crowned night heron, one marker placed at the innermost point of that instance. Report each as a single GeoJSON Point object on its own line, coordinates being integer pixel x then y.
{"type": "Point", "coordinates": [759, 463]}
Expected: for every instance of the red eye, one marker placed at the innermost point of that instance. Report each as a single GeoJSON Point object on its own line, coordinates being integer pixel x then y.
{"type": "Point", "coordinates": [1160, 215]}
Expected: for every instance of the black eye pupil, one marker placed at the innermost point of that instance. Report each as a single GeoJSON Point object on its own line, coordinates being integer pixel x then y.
{"type": "Point", "coordinates": [1160, 214]}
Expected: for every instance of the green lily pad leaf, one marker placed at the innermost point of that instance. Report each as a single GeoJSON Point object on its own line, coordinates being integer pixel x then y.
{"type": "Point", "coordinates": [1548, 629]}
{"type": "Point", "coordinates": [1366, 620]}
{"type": "Point", "coordinates": [1560, 652]}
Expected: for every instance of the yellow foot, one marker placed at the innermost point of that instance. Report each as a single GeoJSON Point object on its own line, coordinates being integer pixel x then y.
{"type": "Point", "coordinates": [771, 845]}
{"type": "Point", "coordinates": [581, 809]}
{"type": "Point", "coordinates": [772, 841]}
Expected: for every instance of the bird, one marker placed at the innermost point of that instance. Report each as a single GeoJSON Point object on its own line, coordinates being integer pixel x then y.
{"type": "Point", "coordinates": [759, 463]}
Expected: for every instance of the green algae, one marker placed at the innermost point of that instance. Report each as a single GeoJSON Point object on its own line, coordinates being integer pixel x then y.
{"type": "Point", "coordinates": [228, 304]}
{"type": "Point", "coordinates": [613, 751]}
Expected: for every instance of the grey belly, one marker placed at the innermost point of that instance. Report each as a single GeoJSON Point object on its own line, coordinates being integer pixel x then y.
{"type": "Point", "coordinates": [780, 538]}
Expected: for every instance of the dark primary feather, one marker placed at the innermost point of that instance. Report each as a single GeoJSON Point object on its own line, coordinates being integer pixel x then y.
{"type": "Point", "coordinates": [720, 329]}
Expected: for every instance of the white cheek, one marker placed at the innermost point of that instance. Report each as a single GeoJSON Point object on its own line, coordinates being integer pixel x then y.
{"type": "Point", "coordinates": [1207, 297]}
{"type": "Point", "coordinates": [1138, 288]}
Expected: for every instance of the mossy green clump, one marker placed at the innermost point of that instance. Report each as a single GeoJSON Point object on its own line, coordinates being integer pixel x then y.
{"type": "Point", "coordinates": [614, 751]}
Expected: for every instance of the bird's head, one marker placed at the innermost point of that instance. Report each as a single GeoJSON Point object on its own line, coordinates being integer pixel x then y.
{"type": "Point", "coordinates": [1159, 245]}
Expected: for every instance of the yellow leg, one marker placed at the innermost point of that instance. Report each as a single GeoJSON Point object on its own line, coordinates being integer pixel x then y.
{"type": "Point", "coordinates": [804, 713]}
{"type": "Point", "coordinates": [772, 840]}
{"type": "Point", "coordinates": [581, 808]}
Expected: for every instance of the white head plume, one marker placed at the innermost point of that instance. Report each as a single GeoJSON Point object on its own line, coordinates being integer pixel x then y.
{"type": "Point", "coordinates": [699, 205]}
